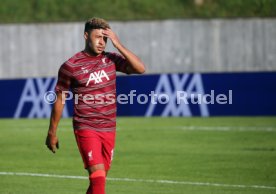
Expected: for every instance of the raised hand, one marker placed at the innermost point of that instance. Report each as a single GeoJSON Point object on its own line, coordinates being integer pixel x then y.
{"type": "Point", "coordinates": [112, 36]}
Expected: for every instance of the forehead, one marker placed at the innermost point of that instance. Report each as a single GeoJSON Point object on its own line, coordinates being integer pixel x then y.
{"type": "Point", "coordinates": [97, 31]}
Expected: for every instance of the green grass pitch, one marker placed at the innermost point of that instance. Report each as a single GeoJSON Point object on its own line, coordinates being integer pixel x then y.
{"type": "Point", "coordinates": [214, 155]}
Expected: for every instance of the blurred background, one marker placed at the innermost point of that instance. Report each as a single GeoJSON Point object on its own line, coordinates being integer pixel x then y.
{"type": "Point", "coordinates": [170, 36]}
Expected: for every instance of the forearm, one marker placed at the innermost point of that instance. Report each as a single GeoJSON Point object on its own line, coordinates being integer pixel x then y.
{"type": "Point", "coordinates": [55, 116]}
{"type": "Point", "coordinates": [54, 120]}
{"type": "Point", "coordinates": [135, 63]}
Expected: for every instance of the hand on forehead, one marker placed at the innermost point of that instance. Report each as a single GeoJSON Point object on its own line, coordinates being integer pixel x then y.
{"type": "Point", "coordinates": [101, 31]}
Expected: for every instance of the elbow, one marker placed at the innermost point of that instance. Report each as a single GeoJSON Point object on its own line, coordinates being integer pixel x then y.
{"type": "Point", "coordinates": [142, 69]}
{"type": "Point", "coordinates": [136, 69]}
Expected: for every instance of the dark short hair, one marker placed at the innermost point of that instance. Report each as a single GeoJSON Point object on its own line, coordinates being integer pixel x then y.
{"type": "Point", "coordinates": [95, 23]}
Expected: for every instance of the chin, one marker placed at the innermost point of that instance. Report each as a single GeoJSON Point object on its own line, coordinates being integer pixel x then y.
{"type": "Point", "coordinates": [96, 52]}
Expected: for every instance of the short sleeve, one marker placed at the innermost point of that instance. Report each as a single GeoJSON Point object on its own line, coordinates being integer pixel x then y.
{"type": "Point", "coordinates": [120, 62]}
{"type": "Point", "coordinates": [65, 74]}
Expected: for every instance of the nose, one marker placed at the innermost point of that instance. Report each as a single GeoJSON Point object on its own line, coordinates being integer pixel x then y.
{"type": "Point", "coordinates": [102, 42]}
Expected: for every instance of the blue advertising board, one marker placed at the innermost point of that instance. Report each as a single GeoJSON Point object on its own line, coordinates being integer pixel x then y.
{"type": "Point", "coordinates": [207, 94]}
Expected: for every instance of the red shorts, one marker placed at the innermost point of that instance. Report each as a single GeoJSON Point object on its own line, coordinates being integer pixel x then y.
{"type": "Point", "coordinates": [96, 147]}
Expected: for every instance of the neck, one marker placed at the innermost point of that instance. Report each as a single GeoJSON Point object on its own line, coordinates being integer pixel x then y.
{"type": "Point", "coordinates": [88, 51]}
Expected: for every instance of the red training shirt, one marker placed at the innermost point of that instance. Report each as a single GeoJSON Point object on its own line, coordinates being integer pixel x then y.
{"type": "Point", "coordinates": [92, 81]}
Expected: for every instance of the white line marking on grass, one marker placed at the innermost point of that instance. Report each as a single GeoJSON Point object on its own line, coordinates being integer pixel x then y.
{"type": "Point", "coordinates": [42, 175]}
{"type": "Point", "coordinates": [140, 180]}
{"type": "Point", "coordinates": [227, 128]}
{"type": "Point", "coordinates": [207, 128]}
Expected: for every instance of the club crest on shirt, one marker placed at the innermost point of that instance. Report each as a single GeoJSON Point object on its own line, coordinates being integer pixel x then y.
{"type": "Point", "coordinates": [104, 60]}
{"type": "Point", "coordinates": [97, 77]}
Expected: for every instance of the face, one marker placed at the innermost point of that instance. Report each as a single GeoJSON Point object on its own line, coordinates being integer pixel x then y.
{"type": "Point", "coordinates": [96, 41]}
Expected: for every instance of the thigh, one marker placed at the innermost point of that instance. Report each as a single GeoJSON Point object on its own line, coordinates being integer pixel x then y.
{"type": "Point", "coordinates": [108, 144]}
{"type": "Point", "coordinates": [90, 147]}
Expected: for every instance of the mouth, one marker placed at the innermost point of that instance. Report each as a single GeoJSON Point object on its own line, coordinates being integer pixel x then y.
{"type": "Point", "coordinates": [100, 48]}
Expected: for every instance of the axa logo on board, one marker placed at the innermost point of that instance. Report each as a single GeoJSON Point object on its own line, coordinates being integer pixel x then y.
{"type": "Point", "coordinates": [170, 85]}
{"type": "Point", "coordinates": [32, 103]}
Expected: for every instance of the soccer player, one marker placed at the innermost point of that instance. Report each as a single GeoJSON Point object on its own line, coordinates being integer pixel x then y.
{"type": "Point", "coordinates": [91, 76]}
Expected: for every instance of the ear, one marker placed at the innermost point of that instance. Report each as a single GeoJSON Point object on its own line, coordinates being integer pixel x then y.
{"type": "Point", "coordinates": [85, 35]}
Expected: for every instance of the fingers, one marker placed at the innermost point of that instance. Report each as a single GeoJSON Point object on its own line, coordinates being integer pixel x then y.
{"type": "Point", "coordinates": [53, 147]}
{"type": "Point", "coordinates": [108, 33]}
{"type": "Point", "coordinates": [107, 30]}
{"type": "Point", "coordinates": [52, 143]}
{"type": "Point", "coordinates": [112, 36]}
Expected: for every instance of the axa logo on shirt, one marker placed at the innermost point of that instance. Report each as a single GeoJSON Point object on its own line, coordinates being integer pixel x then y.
{"type": "Point", "coordinates": [97, 77]}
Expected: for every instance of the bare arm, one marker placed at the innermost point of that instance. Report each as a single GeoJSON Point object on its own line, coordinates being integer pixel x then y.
{"type": "Point", "coordinates": [52, 140]}
{"type": "Point", "coordinates": [135, 64]}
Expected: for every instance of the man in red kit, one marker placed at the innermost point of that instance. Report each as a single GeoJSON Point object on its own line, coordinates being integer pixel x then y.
{"type": "Point", "coordinates": [91, 76]}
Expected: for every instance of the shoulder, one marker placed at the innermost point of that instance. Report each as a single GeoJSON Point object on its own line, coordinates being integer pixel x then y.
{"type": "Point", "coordinates": [75, 59]}
{"type": "Point", "coordinates": [72, 62]}
{"type": "Point", "coordinates": [115, 57]}
{"type": "Point", "coordinates": [112, 55]}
